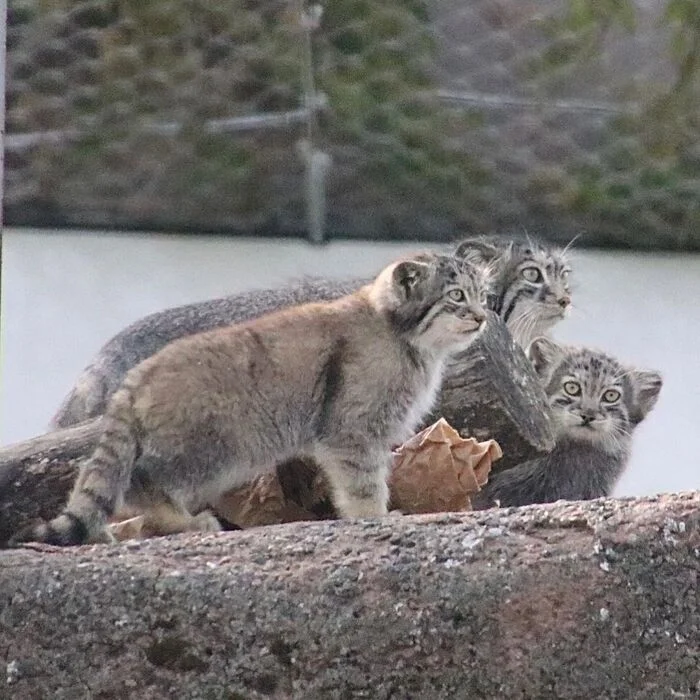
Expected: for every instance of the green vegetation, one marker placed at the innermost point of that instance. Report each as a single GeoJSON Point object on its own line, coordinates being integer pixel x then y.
{"type": "Point", "coordinates": [576, 35]}
{"type": "Point", "coordinates": [646, 183]}
{"type": "Point", "coordinates": [169, 61]}
{"type": "Point", "coordinates": [115, 68]}
{"type": "Point", "coordinates": [374, 61]}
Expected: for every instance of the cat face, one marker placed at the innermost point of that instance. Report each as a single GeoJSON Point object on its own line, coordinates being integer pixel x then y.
{"type": "Point", "coordinates": [593, 396]}
{"type": "Point", "coordinates": [530, 283]}
{"type": "Point", "coordinates": [441, 301]}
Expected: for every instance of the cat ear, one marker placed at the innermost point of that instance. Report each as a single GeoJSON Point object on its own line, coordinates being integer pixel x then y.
{"type": "Point", "coordinates": [646, 386]}
{"type": "Point", "coordinates": [544, 354]}
{"type": "Point", "coordinates": [477, 251]}
{"type": "Point", "coordinates": [408, 274]}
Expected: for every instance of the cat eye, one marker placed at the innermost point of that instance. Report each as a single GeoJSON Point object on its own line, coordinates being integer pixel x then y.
{"type": "Point", "coordinates": [572, 388]}
{"type": "Point", "coordinates": [456, 295]}
{"type": "Point", "coordinates": [532, 274]}
{"type": "Point", "coordinates": [611, 395]}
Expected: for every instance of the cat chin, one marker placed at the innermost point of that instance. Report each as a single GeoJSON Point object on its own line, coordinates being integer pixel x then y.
{"type": "Point", "coordinates": [545, 322]}
{"type": "Point", "coordinates": [582, 432]}
{"type": "Point", "coordinates": [540, 328]}
{"type": "Point", "coordinates": [552, 317]}
{"type": "Point", "coordinates": [603, 436]}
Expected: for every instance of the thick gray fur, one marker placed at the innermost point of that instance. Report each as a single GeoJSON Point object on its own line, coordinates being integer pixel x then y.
{"type": "Point", "coordinates": [530, 289]}
{"type": "Point", "coordinates": [339, 382]}
{"type": "Point", "coordinates": [145, 337]}
{"type": "Point", "coordinates": [593, 436]}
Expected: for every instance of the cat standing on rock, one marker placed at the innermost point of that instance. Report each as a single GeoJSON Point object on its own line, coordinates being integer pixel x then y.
{"type": "Point", "coordinates": [596, 403]}
{"type": "Point", "coordinates": [530, 292]}
{"type": "Point", "coordinates": [340, 382]}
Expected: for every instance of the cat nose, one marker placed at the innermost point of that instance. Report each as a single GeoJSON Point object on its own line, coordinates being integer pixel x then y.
{"type": "Point", "coordinates": [564, 301]}
{"type": "Point", "coordinates": [587, 417]}
{"type": "Point", "coordinates": [479, 316]}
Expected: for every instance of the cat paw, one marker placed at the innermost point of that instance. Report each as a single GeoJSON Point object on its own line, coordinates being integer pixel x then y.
{"type": "Point", "coordinates": [206, 521]}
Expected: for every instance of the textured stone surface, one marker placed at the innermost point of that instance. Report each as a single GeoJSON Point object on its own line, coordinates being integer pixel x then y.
{"type": "Point", "coordinates": [568, 601]}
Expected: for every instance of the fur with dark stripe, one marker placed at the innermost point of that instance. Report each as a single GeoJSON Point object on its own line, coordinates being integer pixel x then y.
{"type": "Point", "coordinates": [530, 286]}
{"type": "Point", "coordinates": [339, 381]}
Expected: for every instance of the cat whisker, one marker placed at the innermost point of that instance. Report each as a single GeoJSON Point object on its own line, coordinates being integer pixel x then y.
{"type": "Point", "coordinates": [566, 248]}
{"type": "Point", "coordinates": [580, 310]}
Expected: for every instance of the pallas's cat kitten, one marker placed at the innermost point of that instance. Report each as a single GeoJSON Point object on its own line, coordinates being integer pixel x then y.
{"type": "Point", "coordinates": [596, 404]}
{"type": "Point", "coordinates": [339, 381]}
{"type": "Point", "coordinates": [530, 286]}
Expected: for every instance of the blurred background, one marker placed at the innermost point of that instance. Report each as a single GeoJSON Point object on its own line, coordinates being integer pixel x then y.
{"type": "Point", "coordinates": [425, 116]}
{"type": "Point", "coordinates": [165, 151]}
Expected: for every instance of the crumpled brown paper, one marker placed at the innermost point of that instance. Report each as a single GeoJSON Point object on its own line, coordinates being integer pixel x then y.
{"type": "Point", "coordinates": [434, 471]}
{"type": "Point", "coordinates": [129, 529]}
{"type": "Point", "coordinates": [437, 470]}
{"type": "Point", "coordinates": [262, 502]}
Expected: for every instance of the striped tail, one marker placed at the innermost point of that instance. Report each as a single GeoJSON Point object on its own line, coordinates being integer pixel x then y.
{"type": "Point", "coordinates": [101, 484]}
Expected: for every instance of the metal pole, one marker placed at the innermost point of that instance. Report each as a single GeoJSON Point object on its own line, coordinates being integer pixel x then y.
{"type": "Point", "coordinates": [316, 162]}
{"type": "Point", "coordinates": [3, 64]}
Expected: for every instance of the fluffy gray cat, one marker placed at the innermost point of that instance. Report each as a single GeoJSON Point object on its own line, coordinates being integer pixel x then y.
{"type": "Point", "coordinates": [339, 382]}
{"type": "Point", "coordinates": [530, 288]}
{"type": "Point", "coordinates": [596, 404]}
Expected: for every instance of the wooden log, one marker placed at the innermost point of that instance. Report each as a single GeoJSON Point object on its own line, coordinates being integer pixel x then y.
{"type": "Point", "coordinates": [489, 392]}
{"type": "Point", "coordinates": [575, 601]}
{"type": "Point", "coordinates": [37, 475]}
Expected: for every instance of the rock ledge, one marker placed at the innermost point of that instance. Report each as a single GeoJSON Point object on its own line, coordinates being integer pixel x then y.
{"type": "Point", "coordinates": [569, 600]}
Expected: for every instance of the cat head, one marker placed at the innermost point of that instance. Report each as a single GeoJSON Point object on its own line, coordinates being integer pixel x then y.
{"type": "Point", "coordinates": [437, 302]}
{"type": "Point", "coordinates": [593, 396]}
{"type": "Point", "coordinates": [530, 282]}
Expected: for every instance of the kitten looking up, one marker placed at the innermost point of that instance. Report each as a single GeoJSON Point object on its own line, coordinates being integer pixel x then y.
{"type": "Point", "coordinates": [530, 288]}
{"type": "Point", "coordinates": [596, 403]}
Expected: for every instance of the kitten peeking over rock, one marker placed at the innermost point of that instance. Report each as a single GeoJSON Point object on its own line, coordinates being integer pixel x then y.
{"type": "Point", "coordinates": [596, 403]}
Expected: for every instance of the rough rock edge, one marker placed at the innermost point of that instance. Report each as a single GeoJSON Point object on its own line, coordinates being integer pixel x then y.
{"type": "Point", "coordinates": [568, 600]}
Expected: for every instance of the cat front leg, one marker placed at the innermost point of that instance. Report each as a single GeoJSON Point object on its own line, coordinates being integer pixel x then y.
{"type": "Point", "coordinates": [357, 476]}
